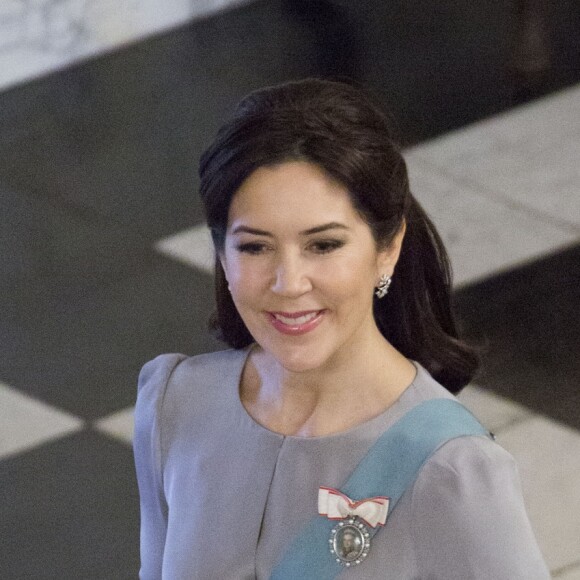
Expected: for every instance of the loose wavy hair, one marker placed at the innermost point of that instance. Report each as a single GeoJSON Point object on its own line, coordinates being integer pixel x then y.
{"type": "Point", "coordinates": [341, 129]}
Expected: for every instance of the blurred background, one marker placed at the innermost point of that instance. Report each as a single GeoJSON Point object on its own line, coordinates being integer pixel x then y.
{"type": "Point", "coordinates": [105, 261]}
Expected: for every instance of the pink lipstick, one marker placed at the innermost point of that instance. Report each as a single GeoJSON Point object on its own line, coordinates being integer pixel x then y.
{"type": "Point", "coordinates": [296, 323]}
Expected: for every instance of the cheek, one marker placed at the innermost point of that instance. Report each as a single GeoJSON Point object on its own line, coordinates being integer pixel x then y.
{"type": "Point", "coordinates": [349, 278]}
{"type": "Point", "coordinates": [244, 281]}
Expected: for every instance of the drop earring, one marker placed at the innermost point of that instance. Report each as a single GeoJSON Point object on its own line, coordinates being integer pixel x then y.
{"type": "Point", "coordinates": [383, 286]}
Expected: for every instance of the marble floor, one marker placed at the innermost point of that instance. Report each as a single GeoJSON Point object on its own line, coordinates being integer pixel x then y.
{"type": "Point", "coordinates": [105, 263]}
{"type": "Point", "coordinates": [41, 36]}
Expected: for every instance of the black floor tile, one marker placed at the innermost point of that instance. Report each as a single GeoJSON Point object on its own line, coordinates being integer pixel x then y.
{"type": "Point", "coordinates": [45, 242]}
{"type": "Point", "coordinates": [527, 323]}
{"type": "Point", "coordinates": [80, 348]}
{"type": "Point", "coordinates": [120, 136]}
{"type": "Point", "coordinates": [70, 510]}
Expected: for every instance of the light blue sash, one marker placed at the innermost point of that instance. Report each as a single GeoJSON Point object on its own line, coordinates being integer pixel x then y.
{"type": "Point", "coordinates": [388, 469]}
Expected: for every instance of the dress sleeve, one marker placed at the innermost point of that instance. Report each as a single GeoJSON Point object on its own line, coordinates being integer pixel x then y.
{"type": "Point", "coordinates": [469, 518]}
{"type": "Point", "coordinates": [148, 461]}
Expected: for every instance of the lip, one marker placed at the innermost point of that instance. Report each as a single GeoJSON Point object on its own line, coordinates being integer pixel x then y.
{"type": "Point", "coordinates": [296, 329]}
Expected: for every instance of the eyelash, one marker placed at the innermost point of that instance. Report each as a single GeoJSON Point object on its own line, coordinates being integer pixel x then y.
{"type": "Point", "coordinates": [320, 247]}
{"type": "Point", "coordinates": [252, 248]}
{"type": "Point", "coordinates": [327, 246]}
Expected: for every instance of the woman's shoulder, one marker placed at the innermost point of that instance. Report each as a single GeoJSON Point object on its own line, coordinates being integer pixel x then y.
{"type": "Point", "coordinates": [423, 388]}
{"type": "Point", "coordinates": [468, 500]}
{"type": "Point", "coordinates": [175, 389]}
{"type": "Point", "coordinates": [174, 377]}
{"type": "Point", "coordinates": [461, 455]}
{"type": "Point", "coordinates": [463, 458]}
{"type": "Point", "coordinates": [179, 368]}
{"type": "Point", "coordinates": [470, 457]}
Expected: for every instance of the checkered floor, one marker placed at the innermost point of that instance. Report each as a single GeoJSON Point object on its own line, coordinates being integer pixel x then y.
{"type": "Point", "coordinates": [106, 263]}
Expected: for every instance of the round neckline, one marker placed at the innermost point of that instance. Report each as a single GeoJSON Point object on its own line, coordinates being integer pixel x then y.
{"type": "Point", "coordinates": [364, 426]}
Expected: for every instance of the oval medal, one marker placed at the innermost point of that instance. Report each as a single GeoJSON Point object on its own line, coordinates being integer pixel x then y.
{"type": "Point", "coordinates": [350, 542]}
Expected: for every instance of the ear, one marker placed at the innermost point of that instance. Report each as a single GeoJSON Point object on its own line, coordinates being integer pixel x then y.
{"type": "Point", "coordinates": [388, 258]}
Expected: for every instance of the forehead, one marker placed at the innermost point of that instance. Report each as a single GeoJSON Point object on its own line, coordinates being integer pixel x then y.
{"type": "Point", "coordinates": [292, 193]}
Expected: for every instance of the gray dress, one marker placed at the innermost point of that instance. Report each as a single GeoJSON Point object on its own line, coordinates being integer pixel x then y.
{"type": "Point", "coordinates": [222, 497]}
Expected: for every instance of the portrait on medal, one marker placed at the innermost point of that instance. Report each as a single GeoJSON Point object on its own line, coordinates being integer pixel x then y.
{"type": "Point", "coordinates": [349, 544]}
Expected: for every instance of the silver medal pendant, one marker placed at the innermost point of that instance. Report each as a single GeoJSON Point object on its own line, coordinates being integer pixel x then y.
{"type": "Point", "coordinates": [350, 542]}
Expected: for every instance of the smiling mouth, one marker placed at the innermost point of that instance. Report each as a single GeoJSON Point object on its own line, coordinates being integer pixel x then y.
{"type": "Point", "coordinates": [297, 318]}
{"type": "Point", "coordinates": [296, 322]}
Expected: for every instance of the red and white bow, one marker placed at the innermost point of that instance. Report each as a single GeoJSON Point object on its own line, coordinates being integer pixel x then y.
{"type": "Point", "coordinates": [337, 506]}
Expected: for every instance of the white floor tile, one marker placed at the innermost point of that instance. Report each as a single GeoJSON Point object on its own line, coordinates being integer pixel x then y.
{"type": "Point", "coordinates": [569, 573]}
{"type": "Point", "coordinates": [482, 235]}
{"type": "Point", "coordinates": [40, 36]}
{"type": "Point", "coordinates": [545, 121]}
{"type": "Point", "coordinates": [548, 457]}
{"type": "Point", "coordinates": [528, 155]}
{"type": "Point", "coordinates": [26, 422]}
{"type": "Point", "coordinates": [544, 179]}
{"type": "Point", "coordinates": [192, 247]}
{"type": "Point", "coordinates": [494, 412]}
{"type": "Point", "coordinates": [119, 425]}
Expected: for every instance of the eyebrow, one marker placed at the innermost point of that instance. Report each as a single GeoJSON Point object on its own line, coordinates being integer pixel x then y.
{"type": "Point", "coordinates": [309, 232]}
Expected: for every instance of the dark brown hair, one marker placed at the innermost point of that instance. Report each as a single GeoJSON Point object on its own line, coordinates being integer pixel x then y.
{"type": "Point", "coordinates": [342, 130]}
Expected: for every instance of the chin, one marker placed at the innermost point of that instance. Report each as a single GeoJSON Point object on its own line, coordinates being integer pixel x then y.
{"type": "Point", "coordinates": [297, 354]}
{"type": "Point", "coordinates": [300, 359]}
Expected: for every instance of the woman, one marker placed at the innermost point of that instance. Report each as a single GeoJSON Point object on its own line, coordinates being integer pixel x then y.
{"type": "Point", "coordinates": [333, 290]}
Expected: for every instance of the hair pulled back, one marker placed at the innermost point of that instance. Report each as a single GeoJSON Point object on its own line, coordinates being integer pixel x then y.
{"type": "Point", "coordinates": [343, 131]}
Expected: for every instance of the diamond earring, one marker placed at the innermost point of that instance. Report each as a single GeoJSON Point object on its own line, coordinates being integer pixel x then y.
{"type": "Point", "coordinates": [383, 286]}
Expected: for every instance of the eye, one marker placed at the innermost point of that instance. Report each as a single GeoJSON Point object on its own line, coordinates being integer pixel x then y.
{"type": "Point", "coordinates": [251, 248]}
{"type": "Point", "coordinates": [326, 246]}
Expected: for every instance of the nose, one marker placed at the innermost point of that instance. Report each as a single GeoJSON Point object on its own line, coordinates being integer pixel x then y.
{"type": "Point", "coordinates": [291, 277]}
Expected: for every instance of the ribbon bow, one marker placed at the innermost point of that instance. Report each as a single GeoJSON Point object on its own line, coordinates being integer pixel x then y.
{"type": "Point", "coordinates": [337, 506]}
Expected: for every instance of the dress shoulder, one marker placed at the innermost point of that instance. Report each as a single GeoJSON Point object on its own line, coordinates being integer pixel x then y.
{"type": "Point", "coordinates": [154, 375]}
{"type": "Point", "coordinates": [152, 384]}
{"type": "Point", "coordinates": [173, 391]}
{"type": "Point", "coordinates": [153, 380]}
{"type": "Point", "coordinates": [174, 388]}
{"type": "Point", "coordinates": [469, 518]}
{"type": "Point", "coordinates": [176, 372]}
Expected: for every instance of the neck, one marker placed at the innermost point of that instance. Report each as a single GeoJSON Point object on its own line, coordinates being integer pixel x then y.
{"type": "Point", "coordinates": [341, 394]}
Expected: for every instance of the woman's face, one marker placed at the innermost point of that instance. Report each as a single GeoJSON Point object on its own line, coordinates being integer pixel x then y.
{"type": "Point", "coordinates": [302, 265]}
